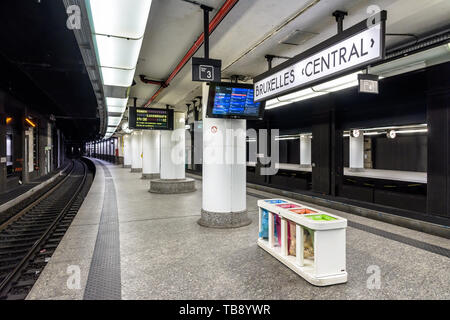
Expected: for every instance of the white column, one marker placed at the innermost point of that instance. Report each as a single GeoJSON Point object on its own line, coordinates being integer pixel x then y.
{"type": "Point", "coordinates": [136, 151]}
{"type": "Point", "coordinates": [224, 171]}
{"type": "Point", "coordinates": [357, 152]}
{"type": "Point", "coordinates": [150, 151]}
{"type": "Point", "coordinates": [127, 151]}
{"type": "Point", "coordinates": [172, 150]}
{"type": "Point", "coordinates": [305, 150]}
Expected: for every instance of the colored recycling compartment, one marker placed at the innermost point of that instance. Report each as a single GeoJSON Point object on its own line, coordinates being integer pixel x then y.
{"type": "Point", "coordinates": [314, 248]}
{"type": "Point", "coordinates": [303, 211]}
{"type": "Point", "coordinates": [264, 232]}
{"type": "Point", "coordinates": [288, 205]}
{"type": "Point", "coordinates": [321, 217]}
{"type": "Point", "coordinates": [275, 201]}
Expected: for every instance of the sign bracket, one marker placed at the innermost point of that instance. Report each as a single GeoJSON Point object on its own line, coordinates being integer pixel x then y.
{"type": "Point", "coordinates": [340, 16]}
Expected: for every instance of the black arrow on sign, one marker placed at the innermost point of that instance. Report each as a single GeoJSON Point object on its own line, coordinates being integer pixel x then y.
{"type": "Point", "coordinates": [372, 43]}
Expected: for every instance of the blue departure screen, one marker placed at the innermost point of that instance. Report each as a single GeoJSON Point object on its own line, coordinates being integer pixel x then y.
{"type": "Point", "coordinates": [230, 101]}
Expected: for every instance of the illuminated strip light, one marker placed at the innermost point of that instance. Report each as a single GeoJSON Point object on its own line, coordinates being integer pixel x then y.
{"type": "Point", "coordinates": [118, 29]}
{"type": "Point", "coordinates": [373, 133]}
{"type": "Point", "coordinates": [116, 105]}
{"type": "Point", "coordinates": [397, 131]}
{"type": "Point", "coordinates": [286, 138]}
{"type": "Point", "coordinates": [398, 127]}
{"type": "Point", "coordinates": [338, 84]}
{"type": "Point", "coordinates": [31, 123]}
{"type": "Point", "coordinates": [412, 131]}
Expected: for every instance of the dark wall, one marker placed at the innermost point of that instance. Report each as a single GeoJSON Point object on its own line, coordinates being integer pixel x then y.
{"type": "Point", "coordinates": [346, 152]}
{"type": "Point", "coordinates": [290, 151]}
{"type": "Point", "coordinates": [407, 153]}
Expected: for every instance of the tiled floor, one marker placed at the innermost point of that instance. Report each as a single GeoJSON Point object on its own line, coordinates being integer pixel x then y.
{"type": "Point", "coordinates": [165, 254]}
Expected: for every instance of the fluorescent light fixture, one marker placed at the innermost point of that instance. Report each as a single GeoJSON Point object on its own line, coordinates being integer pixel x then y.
{"type": "Point", "coordinates": [114, 121]}
{"type": "Point", "coordinates": [355, 133]}
{"type": "Point", "coordinates": [374, 133]}
{"type": "Point", "coordinates": [116, 105]}
{"type": "Point", "coordinates": [338, 84]}
{"type": "Point", "coordinates": [116, 102]}
{"type": "Point", "coordinates": [117, 77]}
{"type": "Point", "coordinates": [120, 18]}
{"type": "Point", "coordinates": [111, 130]}
{"type": "Point", "coordinates": [412, 131]}
{"type": "Point", "coordinates": [118, 52]}
{"type": "Point", "coordinates": [287, 137]}
{"type": "Point", "coordinates": [116, 109]}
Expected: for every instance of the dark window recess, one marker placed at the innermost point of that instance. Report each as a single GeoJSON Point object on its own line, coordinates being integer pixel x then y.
{"type": "Point", "coordinates": [404, 153]}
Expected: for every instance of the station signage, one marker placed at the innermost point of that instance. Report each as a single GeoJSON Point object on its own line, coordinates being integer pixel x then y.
{"type": "Point", "coordinates": [150, 119]}
{"type": "Point", "coordinates": [350, 50]}
{"type": "Point", "coordinates": [206, 70]}
{"type": "Point", "coordinates": [368, 83]}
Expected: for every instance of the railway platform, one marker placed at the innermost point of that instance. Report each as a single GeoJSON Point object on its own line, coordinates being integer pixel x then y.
{"type": "Point", "coordinates": [127, 243]}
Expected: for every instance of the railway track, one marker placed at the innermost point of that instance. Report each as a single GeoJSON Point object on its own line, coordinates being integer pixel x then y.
{"type": "Point", "coordinates": [29, 238]}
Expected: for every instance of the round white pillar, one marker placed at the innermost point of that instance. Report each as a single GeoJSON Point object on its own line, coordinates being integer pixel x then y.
{"type": "Point", "coordinates": [356, 147]}
{"type": "Point", "coordinates": [173, 177]}
{"type": "Point", "coordinates": [224, 198]}
{"type": "Point", "coordinates": [136, 151]}
{"type": "Point", "coordinates": [305, 150]}
{"type": "Point", "coordinates": [127, 151]}
{"type": "Point", "coordinates": [150, 153]}
{"type": "Point", "coordinates": [172, 150]}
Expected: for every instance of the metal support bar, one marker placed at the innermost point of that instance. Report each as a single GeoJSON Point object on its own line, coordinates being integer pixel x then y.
{"type": "Point", "coordinates": [340, 15]}
{"type": "Point", "coordinates": [269, 59]}
{"type": "Point", "coordinates": [206, 11]}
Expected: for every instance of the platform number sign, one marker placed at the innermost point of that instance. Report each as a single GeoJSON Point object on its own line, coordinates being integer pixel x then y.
{"type": "Point", "coordinates": [206, 70]}
{"type": "Point", "coordinates": [206, 73]}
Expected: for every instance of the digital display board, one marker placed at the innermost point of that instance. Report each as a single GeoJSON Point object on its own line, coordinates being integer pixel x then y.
{"type": "Point", "coordinates": [233, 100]}
{"type": "Point", "coordinates": [150, 119]}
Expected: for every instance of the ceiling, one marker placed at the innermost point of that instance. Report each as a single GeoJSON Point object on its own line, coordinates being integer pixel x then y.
{"type": "Point", "coordinates": [254, 29]}
{"type": "Point", "coordinates": [42, 66]}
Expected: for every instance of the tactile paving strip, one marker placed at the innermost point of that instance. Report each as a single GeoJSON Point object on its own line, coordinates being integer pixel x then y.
{"type": "Point", "coordinates": [389, 235]}
{"type": "Point", "coordinates": [104, 282]}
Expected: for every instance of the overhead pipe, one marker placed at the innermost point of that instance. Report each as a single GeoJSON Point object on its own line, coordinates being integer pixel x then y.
{"type": "Point", "coordinates": [220, 15]}
{"type": "Point", "coordinates": [149, 81]}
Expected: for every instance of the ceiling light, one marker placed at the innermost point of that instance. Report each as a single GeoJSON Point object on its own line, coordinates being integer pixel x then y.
{"type": "Point", "coordinates": [116, 105]}
{"type": "Point", "coordinates": [338, 84]}
{"type": "Point", "coordinates": [120, 18]}
{"type": "Point", "coordinates": [413, 131]}
{"type": "Point", "coordinates": [116, 102]}
{"type": "Point", "coordinates": [118, 52]}
{"type": "Point", "coordinates": [391, 134]}
{"type": "Point", "coordinates": [114, 121]}
{"type": "Point", "coordinates": [374, 133]}
{"type": "Point", "coordinates": [355, 133]}
{"type": "Point", "coordinates": [117, 77]}
{"type": "Point", "coordinates": [116, 109]}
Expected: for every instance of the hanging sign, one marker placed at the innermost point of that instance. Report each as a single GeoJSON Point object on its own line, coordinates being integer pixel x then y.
{"type": "Point", "coordinates": [350, 50]}
{"type": "Point", "coordinates": [206, 70]}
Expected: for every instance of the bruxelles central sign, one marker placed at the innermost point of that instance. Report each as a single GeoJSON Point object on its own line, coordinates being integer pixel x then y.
{"type": "Point", "coordinates": [350, 50]}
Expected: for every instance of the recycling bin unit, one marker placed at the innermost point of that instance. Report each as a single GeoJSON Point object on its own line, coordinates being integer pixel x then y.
{"type": "Point", "coordinates": [327, 266]}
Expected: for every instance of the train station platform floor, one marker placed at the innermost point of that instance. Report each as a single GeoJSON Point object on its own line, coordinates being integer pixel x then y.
{"type": "Point", "coordinates": [128, 243]}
